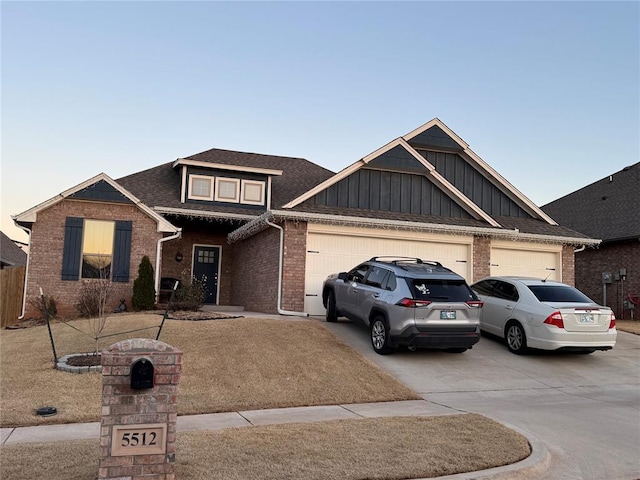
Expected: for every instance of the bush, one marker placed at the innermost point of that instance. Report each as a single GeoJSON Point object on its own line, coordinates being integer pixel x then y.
{"type": "Point", "coordinates": [49, 309]}
{"type": "Point", "coordinates": [144, 292]}
{"type": "Point", "coordinates": [94, 297]}
{"type": "Point", "coordinates": [190, 294]}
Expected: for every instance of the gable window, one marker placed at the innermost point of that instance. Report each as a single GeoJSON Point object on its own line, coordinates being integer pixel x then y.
{"type": "Point", "coordinates": [252, 192]}
{"type": "Point", "coordinates": [97, 248]}
{"type": "Point", "coordinates": [200, 187]}
{"type": "Point", "coordinates": [227, 190]}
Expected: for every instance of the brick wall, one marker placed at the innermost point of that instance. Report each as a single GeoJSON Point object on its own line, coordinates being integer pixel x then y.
{"type": "Point", "coordinates": [254, 273]}
{"type": "Point", "coordinates": [46, 248]}
{"type": "Point", "coordinates": [568, 265]}
{"type": "Point", "coordinates": [481, 258]}
{"type": "Point", "coordinates": [592, 262]}
{"type": "Point", "coordinates": [293, 279]}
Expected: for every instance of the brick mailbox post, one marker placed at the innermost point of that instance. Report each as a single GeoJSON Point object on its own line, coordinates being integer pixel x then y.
{"type": "Point", "coordinates": [140, 380]}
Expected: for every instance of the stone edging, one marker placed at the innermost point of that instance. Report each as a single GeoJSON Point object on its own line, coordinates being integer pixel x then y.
{"type": "Point", "coordinates": [63, 365]}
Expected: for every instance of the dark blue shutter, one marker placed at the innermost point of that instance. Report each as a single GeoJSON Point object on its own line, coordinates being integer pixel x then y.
{"type": "Point", "coordinates": [121, 251]}
{"type": "Point", "coordinates": [72, 248]}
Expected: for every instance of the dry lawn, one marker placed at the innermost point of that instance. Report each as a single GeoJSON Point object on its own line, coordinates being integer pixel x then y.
{"type": "Point", "coordinates": [388, 448]}
{"type": "Point", "coordinates": [229, 365]}
{"type": "Point", "coordinates": [631, 326]}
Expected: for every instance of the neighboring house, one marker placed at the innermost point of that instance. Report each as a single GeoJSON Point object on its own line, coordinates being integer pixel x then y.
{"type": "Point", "coordinates": [11, 255]}
{"type": "Point", "coordinates": [264, 231]}
{"type": "Point", "coordinates": [608, 209]}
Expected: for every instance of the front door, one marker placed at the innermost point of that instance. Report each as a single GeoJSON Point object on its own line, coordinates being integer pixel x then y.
{"type": "Point", "coordinates": [206, 261]}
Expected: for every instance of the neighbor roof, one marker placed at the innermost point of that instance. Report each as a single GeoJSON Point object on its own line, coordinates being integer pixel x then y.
{"type": "Point", "coordinates": [606, 209]}
{"type": "Point", "coordinates": [10, 253]}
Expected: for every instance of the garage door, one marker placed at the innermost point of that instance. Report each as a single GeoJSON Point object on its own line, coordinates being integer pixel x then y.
{"type": "Point", "coordinates": [527, 260]}
{"type": "Point", "coordinates": [332, 249]}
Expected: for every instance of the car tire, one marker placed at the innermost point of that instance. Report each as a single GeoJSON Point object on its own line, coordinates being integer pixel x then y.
{"type": "Point", "coordinates": [332, 311]}
{"type": "Point", "coordinates": [456, 349]}
{"type": "Point", "coordinates": [380, 336]}
{"type": "Point", "coordinates": [516, 338]}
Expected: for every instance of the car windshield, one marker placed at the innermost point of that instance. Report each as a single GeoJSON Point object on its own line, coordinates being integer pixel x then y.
{"type": "Point", "coordinates": [442, 290]}
{"type": "Point", "coordinates": [559, 293]}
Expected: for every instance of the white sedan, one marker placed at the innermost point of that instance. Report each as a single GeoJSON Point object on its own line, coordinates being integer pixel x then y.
{"type": "Point", "coordinates": [532, 313]}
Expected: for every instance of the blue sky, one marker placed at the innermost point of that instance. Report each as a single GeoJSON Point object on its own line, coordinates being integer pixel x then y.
{"type": "Point", "coordinates": [547, 93]}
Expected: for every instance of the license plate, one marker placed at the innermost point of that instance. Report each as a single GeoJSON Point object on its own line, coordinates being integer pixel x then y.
{"type": "Point", "coordinates": [448, 315]}
{"type": "Point", "coordinates": [587, 318]}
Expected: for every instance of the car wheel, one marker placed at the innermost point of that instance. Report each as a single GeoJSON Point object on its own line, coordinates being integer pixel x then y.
{"type": "Point", "coordinates": [516, 338]}
{"type": "Point", "coordinates": [380, 336]}
{"type": "Point", "coordinates": [332, 313]}
{"type": "Point", "coordinates": [456, 349]}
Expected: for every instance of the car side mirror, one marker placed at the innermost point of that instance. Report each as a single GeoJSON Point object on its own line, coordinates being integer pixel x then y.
{"type": "Point", "coordinates": [342, 276]}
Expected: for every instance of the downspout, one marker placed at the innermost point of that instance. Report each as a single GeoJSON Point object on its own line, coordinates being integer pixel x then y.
{"type": "Point", "coordinates": [26, 273]}
{"type": "Point", "coordinates": [280, 267]}
{"type": "Point", "coordinates": [581, 249]}
{"type": "Point", "coordinates": [178, 234]}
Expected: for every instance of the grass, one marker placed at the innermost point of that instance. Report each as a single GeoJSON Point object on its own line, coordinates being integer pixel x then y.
{"type": "Point", "coordinates": [385, 449]}
{"type": "Point", "coordinates": [630, 326]}
{"type": "Point", "coordinates": [245, 364]}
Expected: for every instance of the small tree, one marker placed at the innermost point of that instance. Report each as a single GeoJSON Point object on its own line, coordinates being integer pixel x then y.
{"type": "Point", "coordinates": [92, 303]}
{"type": "Point", "coordinates": [144, 292]}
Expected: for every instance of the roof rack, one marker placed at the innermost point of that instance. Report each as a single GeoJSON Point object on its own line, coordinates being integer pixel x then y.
{"type": "Point", "coordinates": [398, 260]}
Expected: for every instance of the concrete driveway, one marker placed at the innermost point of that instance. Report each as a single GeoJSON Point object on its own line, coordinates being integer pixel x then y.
{"type": "Point", "coordinates": [584, 408]}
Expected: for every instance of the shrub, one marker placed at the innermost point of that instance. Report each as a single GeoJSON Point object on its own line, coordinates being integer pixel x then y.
{"type": "Point", "coordinates": [94, 297]}
{"type": "Point", "coordinates": [144, 292]}
{"type": "Point", "coordinates": [50, 307]}
{"type": "Point", "coordinates": [190, 293]}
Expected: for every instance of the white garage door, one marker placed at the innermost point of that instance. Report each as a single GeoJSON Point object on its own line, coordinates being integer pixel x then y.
{"type": "Point", "coordinates": [332, 249]}
{"type": "Point", "coordinates": [527, 260]}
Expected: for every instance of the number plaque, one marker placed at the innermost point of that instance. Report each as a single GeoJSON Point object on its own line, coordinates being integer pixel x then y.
{"type": "Point", "coordinates": [147, 439]}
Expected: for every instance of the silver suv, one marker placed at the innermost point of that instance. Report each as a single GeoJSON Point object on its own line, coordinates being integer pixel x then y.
{"type": "Point", "coordinates": [408, 302]}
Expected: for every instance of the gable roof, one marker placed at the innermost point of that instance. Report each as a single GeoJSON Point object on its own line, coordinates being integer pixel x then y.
{"type": "Point", "coordinates": [101, 187]}
{"type": "Point", "coordinates": [159, 187]}
{"type": "Point", "coordinates": [10, 253]}
{"type": "Point", "coordinates": [608, 209]}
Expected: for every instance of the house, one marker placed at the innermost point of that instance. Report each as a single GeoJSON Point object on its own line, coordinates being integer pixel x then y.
{"type": "Point", "coordinates": [608, 209]}
{"type": "Point", "coordinates": [264, 231]}
{"type": "Point", "coordinates": [11, 255]}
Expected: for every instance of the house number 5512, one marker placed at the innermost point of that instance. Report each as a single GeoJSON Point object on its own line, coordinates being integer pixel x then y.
{"type": "Point", "coordinates": [147, 439]}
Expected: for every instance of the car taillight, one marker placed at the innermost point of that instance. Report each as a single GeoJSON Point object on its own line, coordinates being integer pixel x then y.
{"type": "Point", "coordinates": [411, 303]}
{"type": "Point", "coordinates": [555, 319]}
{"type": "Point", "coordinates": [475, 304]}
{"type": "Point", "coordinates": [612, 323]}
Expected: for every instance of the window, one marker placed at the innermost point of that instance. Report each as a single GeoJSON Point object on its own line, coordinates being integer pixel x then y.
{"type": "Point", "coordinates": [97, 248]}
{"type": "Point", "coordinates": [358, 273]}
{"type": "Point", "coordinates": [200, 187]}
{"type": "Point", "coordinates": [227, 190]}
{"type": "Point", "coordinates": [252, 192]}
{"type": "Point", "coordinates": [376, 277]}
{"type": "Point", "coordinates": [442, 290]}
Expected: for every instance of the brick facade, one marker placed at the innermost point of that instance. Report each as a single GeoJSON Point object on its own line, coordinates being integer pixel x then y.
{"type": "Point", "coordinates": [295, 254]}
{"type": "Point", "coordinates": [124, 406]}
{"type": "Point", "coordinates": [568, 265]}
{"type": "Point", "coordinates": [47, 241]}
{"type": "Point", "coordinates": [610, 257]}
{"type": "Point", "coordinates": [481, 257]}
{"type": "Point", "coordinates": [254, 273]}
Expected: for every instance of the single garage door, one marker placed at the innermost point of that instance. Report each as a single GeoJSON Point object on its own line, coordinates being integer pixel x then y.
{"type": "Point", "coordinates": [333, 249]}
{"type": "Point", "coordinates": [527, 260]}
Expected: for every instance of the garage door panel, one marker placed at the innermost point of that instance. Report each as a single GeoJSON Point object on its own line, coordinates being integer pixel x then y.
{"type": "Point", "coordinates": [331, 253]}
{"type": "Point", "coordinates": [528, 263]}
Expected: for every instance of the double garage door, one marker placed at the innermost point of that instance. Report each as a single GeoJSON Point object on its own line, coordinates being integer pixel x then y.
{"type": "Point", "coordinates": [333, 249]}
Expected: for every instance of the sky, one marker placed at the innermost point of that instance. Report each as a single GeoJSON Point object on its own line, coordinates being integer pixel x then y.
{"type": "Point", "coordinates": [547, 93]}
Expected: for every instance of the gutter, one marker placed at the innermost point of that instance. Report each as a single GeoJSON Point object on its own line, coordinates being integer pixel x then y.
{"type": "Point", "coordinates": [178, 234]}
{"type": "Point", "coordinates": [26, 272]}
{"type": "Point", "coordinates": [280, 267]}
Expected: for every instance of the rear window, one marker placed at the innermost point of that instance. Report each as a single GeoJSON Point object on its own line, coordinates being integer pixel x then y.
{"type": "Point", "coordinates": [559, 293]}
{"type": "Point", "coordinates": [441, 290]}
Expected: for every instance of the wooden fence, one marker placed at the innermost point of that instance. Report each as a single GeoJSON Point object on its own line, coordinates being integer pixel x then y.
{"type": "Point", "coordinates": [11, 290]}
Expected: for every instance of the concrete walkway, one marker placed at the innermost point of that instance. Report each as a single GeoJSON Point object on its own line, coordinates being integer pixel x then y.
{"type": "Point", "coordinates": [532, 467]}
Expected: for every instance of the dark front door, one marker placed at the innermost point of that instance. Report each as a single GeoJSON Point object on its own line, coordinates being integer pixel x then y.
{"type": "Point", "coordinates": [205, 265]}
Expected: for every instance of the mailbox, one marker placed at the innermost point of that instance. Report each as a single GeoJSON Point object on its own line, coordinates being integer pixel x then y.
{"type": "Point", "coordinates": [142, 374]}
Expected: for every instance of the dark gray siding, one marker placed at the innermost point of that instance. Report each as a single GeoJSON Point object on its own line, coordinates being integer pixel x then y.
{"type": "Point", "coordinates": [390, 192]}
{"type": "Point", "coordinates": [473, 185]}
{"type": "Point", "coordinates": [398, 159]}
{"type": "Point", "coordinates": [101, 191]}
{"type": "Point", "coordinates": [435, 137]}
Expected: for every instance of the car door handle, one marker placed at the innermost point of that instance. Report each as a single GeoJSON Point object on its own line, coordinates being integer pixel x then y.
{"type": "Point", "coordinates": [508, 307]}
{"type": "Point", "coordinates": [376, 295]}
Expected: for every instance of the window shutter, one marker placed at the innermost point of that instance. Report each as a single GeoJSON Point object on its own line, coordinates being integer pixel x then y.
{"type": "Point", "coordinates": [121, 251]}
{"type": "Point", "coordinates": [72, 248]}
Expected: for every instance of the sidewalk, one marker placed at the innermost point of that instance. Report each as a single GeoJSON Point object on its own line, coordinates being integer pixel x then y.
{"type": "Point", "coordinates": [529, 468]}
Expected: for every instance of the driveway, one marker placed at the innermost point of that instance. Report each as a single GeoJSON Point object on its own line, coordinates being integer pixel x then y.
{"type": "Point", "coordinates": [584, 408]}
